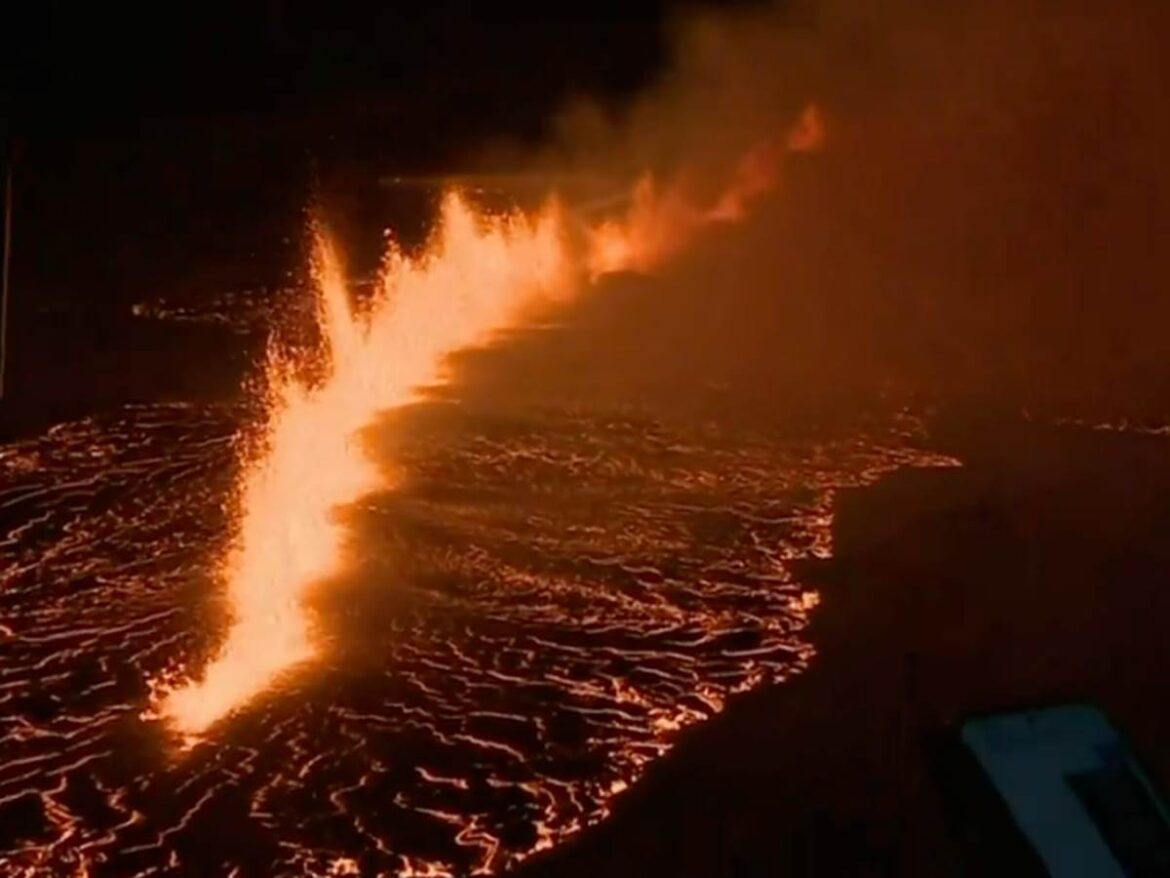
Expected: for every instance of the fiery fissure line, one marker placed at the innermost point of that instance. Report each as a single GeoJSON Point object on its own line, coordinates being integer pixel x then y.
{"type": "Point", "coordinates": [478, 275]}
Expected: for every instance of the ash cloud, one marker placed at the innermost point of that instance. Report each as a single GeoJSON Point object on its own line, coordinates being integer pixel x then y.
{"type": "Point", "coordinates": [985, 223]}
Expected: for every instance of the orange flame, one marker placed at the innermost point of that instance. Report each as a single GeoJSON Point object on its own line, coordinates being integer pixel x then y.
{"type": "Point", "coordinates": [658, 225]}
{"type": "Point", "coordinates": [808, 134]}
{"type": "Point", "coordinates": [478, 275]}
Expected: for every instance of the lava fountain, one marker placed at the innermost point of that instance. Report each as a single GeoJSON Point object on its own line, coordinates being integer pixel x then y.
{"type": "Point", "coordinates": [478, 274]}
{"type": "Point", "coordinates": [484, 272]}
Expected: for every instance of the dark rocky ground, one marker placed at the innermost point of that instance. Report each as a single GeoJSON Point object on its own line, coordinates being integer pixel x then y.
{"type": "Point", "coordinates": [1035, 574]}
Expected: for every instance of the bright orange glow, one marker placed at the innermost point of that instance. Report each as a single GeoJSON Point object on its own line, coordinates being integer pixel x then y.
{"type": "Point", "coordinates": [478, 275]}
{"type": "Point", "coordinates": [657, 225]}
{"type": "Point", "coordinates": [661, 223]}
{"type": "Point", "coordinates": [808, 134]}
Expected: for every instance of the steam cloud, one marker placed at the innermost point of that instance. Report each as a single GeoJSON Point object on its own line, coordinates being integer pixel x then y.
{"type": "Point", "coordinates": [984, 223]}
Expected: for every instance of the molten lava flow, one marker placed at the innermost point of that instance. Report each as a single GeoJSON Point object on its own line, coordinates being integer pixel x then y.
{"type": "Point", "coordinates": [477, 276]}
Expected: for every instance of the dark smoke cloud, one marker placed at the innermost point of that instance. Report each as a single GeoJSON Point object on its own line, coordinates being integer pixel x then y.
{"type": "Point", "coordinates": [986, 222]}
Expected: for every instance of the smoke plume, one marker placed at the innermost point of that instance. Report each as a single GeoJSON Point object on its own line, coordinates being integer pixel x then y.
{"type": "Point", "coordinates": [983, 223]}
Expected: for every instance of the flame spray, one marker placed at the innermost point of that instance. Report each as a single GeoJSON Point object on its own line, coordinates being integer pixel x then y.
{"type": "Point", "coordinates": [478, 275]}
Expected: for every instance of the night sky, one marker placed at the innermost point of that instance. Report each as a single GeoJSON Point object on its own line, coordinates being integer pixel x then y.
{"type": "Point", "coordinates": [72, 69]}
